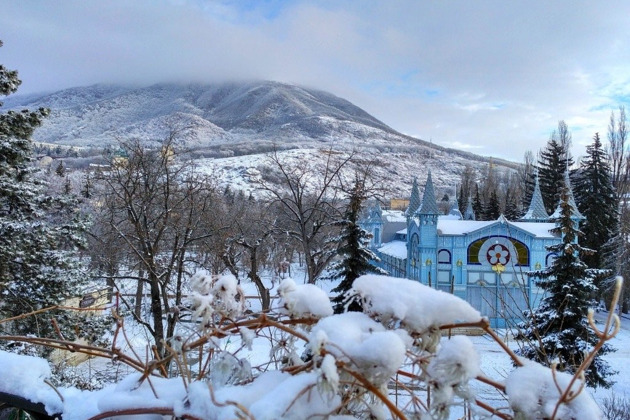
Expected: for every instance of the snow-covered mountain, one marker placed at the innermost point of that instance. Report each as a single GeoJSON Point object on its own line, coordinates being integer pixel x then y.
{"type": "Point", "coordinates": [238, 119]}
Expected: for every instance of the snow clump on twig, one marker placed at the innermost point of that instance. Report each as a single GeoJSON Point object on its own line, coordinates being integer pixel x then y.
{"type": "Point", "coordinates": [417, 307]}
{"type": "Point", "coordinates": [534, 391]}
{"type": "Point", "coordinates": [304, 300]}
{"type": "Point", "coordinates": [352, 338]}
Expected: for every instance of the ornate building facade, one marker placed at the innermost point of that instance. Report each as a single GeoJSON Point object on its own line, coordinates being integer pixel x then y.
{"type": "Point", "coordinates": [484, 262]}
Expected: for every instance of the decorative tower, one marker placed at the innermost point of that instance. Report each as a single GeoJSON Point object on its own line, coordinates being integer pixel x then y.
{"type": "Point", "coordinates": [576, 216]}
{"type": "Point", "coordinates": [454, 211]}
{"type": "Point", "coordinates": [536, 211]}
{"type": "Point", "coordinates": [427, 215]}
{"type": "Point", "coordinates": [469, 214]}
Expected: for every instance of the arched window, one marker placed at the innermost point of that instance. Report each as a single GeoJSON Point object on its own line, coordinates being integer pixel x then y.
{"type": "Point", "coordinates": [493, 249]}
{"type": "Point", "coordinates": [444, 256]}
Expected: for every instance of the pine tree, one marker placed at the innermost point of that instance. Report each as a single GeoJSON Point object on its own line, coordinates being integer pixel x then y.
{"type": "Point", "coordinates": [356, 258]}
{"type": "Point", "coordinates": [511, 208]}
{"type": "Point", "coordinates": [60, 170]}
{"type": "Point", "coordinates": [492, 210]}
{"type": "Point", "coordinates": [558, 329]}
{"type": "Point", "coordinates": [596, 200]}
{"type": "Point", "coordinates": [38, 233]}
{"type": "Point", "coordinates": [552, 165]}
{"type": "Point", "coordinates": [477, 205]}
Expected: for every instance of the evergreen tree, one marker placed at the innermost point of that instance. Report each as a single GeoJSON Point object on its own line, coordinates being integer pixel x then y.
{"type": "Point", "coordinates": [511, 208]}
{"type": "Point", "coordinates": [553, 162]}
{"type": "Point", "coordinates": [492, 210]}
{"type": "Point", "coordinates": [86, 192]}
{"type": "Point", "coordinates": [38, 233]}
{"type": "Point", "coordinates": [477, 205]}
{"type": "Point", "coordinates": [558, 329]}
{"type": "Point", "coordinates": [596, 200]}
{"type": "Point", "coordinates": [356, 258]}
{"type": "Point", "coordinates": [60, 170]}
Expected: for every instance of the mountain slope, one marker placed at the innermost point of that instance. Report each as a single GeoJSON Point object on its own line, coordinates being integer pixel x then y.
{"type": "Point", "coordinates": [210, 114]}
{"type": "Point", "coordinates": [239, 119]}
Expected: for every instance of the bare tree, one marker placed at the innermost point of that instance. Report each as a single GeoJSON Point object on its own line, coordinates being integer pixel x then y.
{"type": "Point", "coordinates": [157, 207]}
{"type": "Point", "coordinates": [308, 204]}
{"type": "Point", "coordinates": [619, 162]}
{"type": "Point", "coordinates": [252, 230]}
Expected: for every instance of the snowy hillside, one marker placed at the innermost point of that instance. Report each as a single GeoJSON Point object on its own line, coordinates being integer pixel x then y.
{"type": "Point", "coordinates": [234, 120]}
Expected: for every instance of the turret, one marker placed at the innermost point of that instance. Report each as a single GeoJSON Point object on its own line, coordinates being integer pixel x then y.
{"type": "Point", "coordinates": [427, 217]}
{"type": "Point", "coordinates": [536, 211]}
{"type": "Point", "coordinates": [576, 216]}
{"type": "Point", "coordinates": [414, 200]}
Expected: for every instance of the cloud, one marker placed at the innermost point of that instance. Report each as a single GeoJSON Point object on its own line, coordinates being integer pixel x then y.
{"type": "Point", "coordinates": [496, 75]}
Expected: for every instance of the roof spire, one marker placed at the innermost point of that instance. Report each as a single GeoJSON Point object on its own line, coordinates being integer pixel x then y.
{"type": "Point", "coordinates": [469, 214]}
{"type": "Point", "coordinates": [414, 199]}
{"type": "Point", "coordinates": [576, 215]}
{"type": "Point", "coordinates": [536, 211]}
{"type": "Point", "coordinates": [454, 211]}
{"type": "Point", "coordinates": [429, 203]}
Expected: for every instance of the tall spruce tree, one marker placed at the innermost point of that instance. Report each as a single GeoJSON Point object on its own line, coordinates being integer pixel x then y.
{"type": "Point", "coordinates": [39, 233]}
{"type": "Point", "coordinates": [477, 204]}
{"type": "Point", "coordinates": [553, 162]}
{"type": "Point", "coordinates": [597, 201]}
{"type": "Point", "coordinates": [511, 207]}
{"type": "Point", "coordinates": [492, 210]}
{"type": "Point", "coordinates": [356, 258]}
{"type": "Point", "coordinates": [558, 330]}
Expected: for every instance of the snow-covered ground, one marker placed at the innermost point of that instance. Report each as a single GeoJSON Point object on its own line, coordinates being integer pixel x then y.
{"type": "Point", "coordinates": [494, 362]}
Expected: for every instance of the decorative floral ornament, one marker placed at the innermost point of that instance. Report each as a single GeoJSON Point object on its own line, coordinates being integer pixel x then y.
{"type": "Point", "coordinates": [498, 268]}
{"type": "Point", "coordinates": [498, 254]}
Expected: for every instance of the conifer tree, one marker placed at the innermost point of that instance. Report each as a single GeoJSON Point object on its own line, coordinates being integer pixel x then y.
{"type": "Point", "coordinates": [551, 169]}
{"type": "Point", "coordinates": [511, 208]}
{"type": "Point", "coordinates": [492, 210]}
{"type": "Point", "coordinates": [596, 200]}
{"type": "Point", "coordinates": [356, 257]}
{"type": "Point", "coordinates": [558, 330]}
{"type": "Point", "coordinates": [39, 234]}
{"type": "Point", "coordinates": [553, 162]}
{"type": "Point", "coordinates": [60, 170]}
{"type": "Point", "coordinates": [477, 204]}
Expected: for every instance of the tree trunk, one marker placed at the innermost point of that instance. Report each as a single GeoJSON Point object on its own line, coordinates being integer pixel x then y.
{"type": "Point", "coordinates": [253, 275]}
{"type": "Point", "coordinates": [137, 310]}
{"type": "Point", "coordinates": [156, 310]}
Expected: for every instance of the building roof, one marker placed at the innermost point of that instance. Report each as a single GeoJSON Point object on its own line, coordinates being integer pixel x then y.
{"type": "Point", "coordinates": [393, 216]}
{"type": "Point", "coordinates": [536, 211]}
{"type": "Point", "coordinates": [576, 215]}
{"type": "Point", "coordinates": [414, 199]}
{"type": "Point", "coordinates": [396, 249]}
{"type": "Point", "coordinates": [429, 203]}
{"type": "Point", "coordinates": [464, 227]}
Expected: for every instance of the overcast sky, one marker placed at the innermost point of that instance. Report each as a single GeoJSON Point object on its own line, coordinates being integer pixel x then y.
{"type": "Point", "coordinates": [491, 77]}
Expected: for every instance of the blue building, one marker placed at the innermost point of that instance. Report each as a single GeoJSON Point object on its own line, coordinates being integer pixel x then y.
{"type": "Point", "coordinates": [484, 262]}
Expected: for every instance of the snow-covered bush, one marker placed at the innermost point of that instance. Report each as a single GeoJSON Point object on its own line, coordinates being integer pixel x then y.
{"type": "Point", "coordinates": [392, 361]}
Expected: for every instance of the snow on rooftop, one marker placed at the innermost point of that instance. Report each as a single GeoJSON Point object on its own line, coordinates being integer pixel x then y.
{"type": "Point", "coordinates": [396, 249]}
{"type": "Point", "coordinates": [394, 216]}
{"type": "Point", "coordinates": [463, 227]}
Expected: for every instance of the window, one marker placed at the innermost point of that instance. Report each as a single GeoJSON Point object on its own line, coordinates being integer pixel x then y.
{"type": "Point", "coordinates": [444, 276]}
{"type": "Point", "coordinates": [444, 256]}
